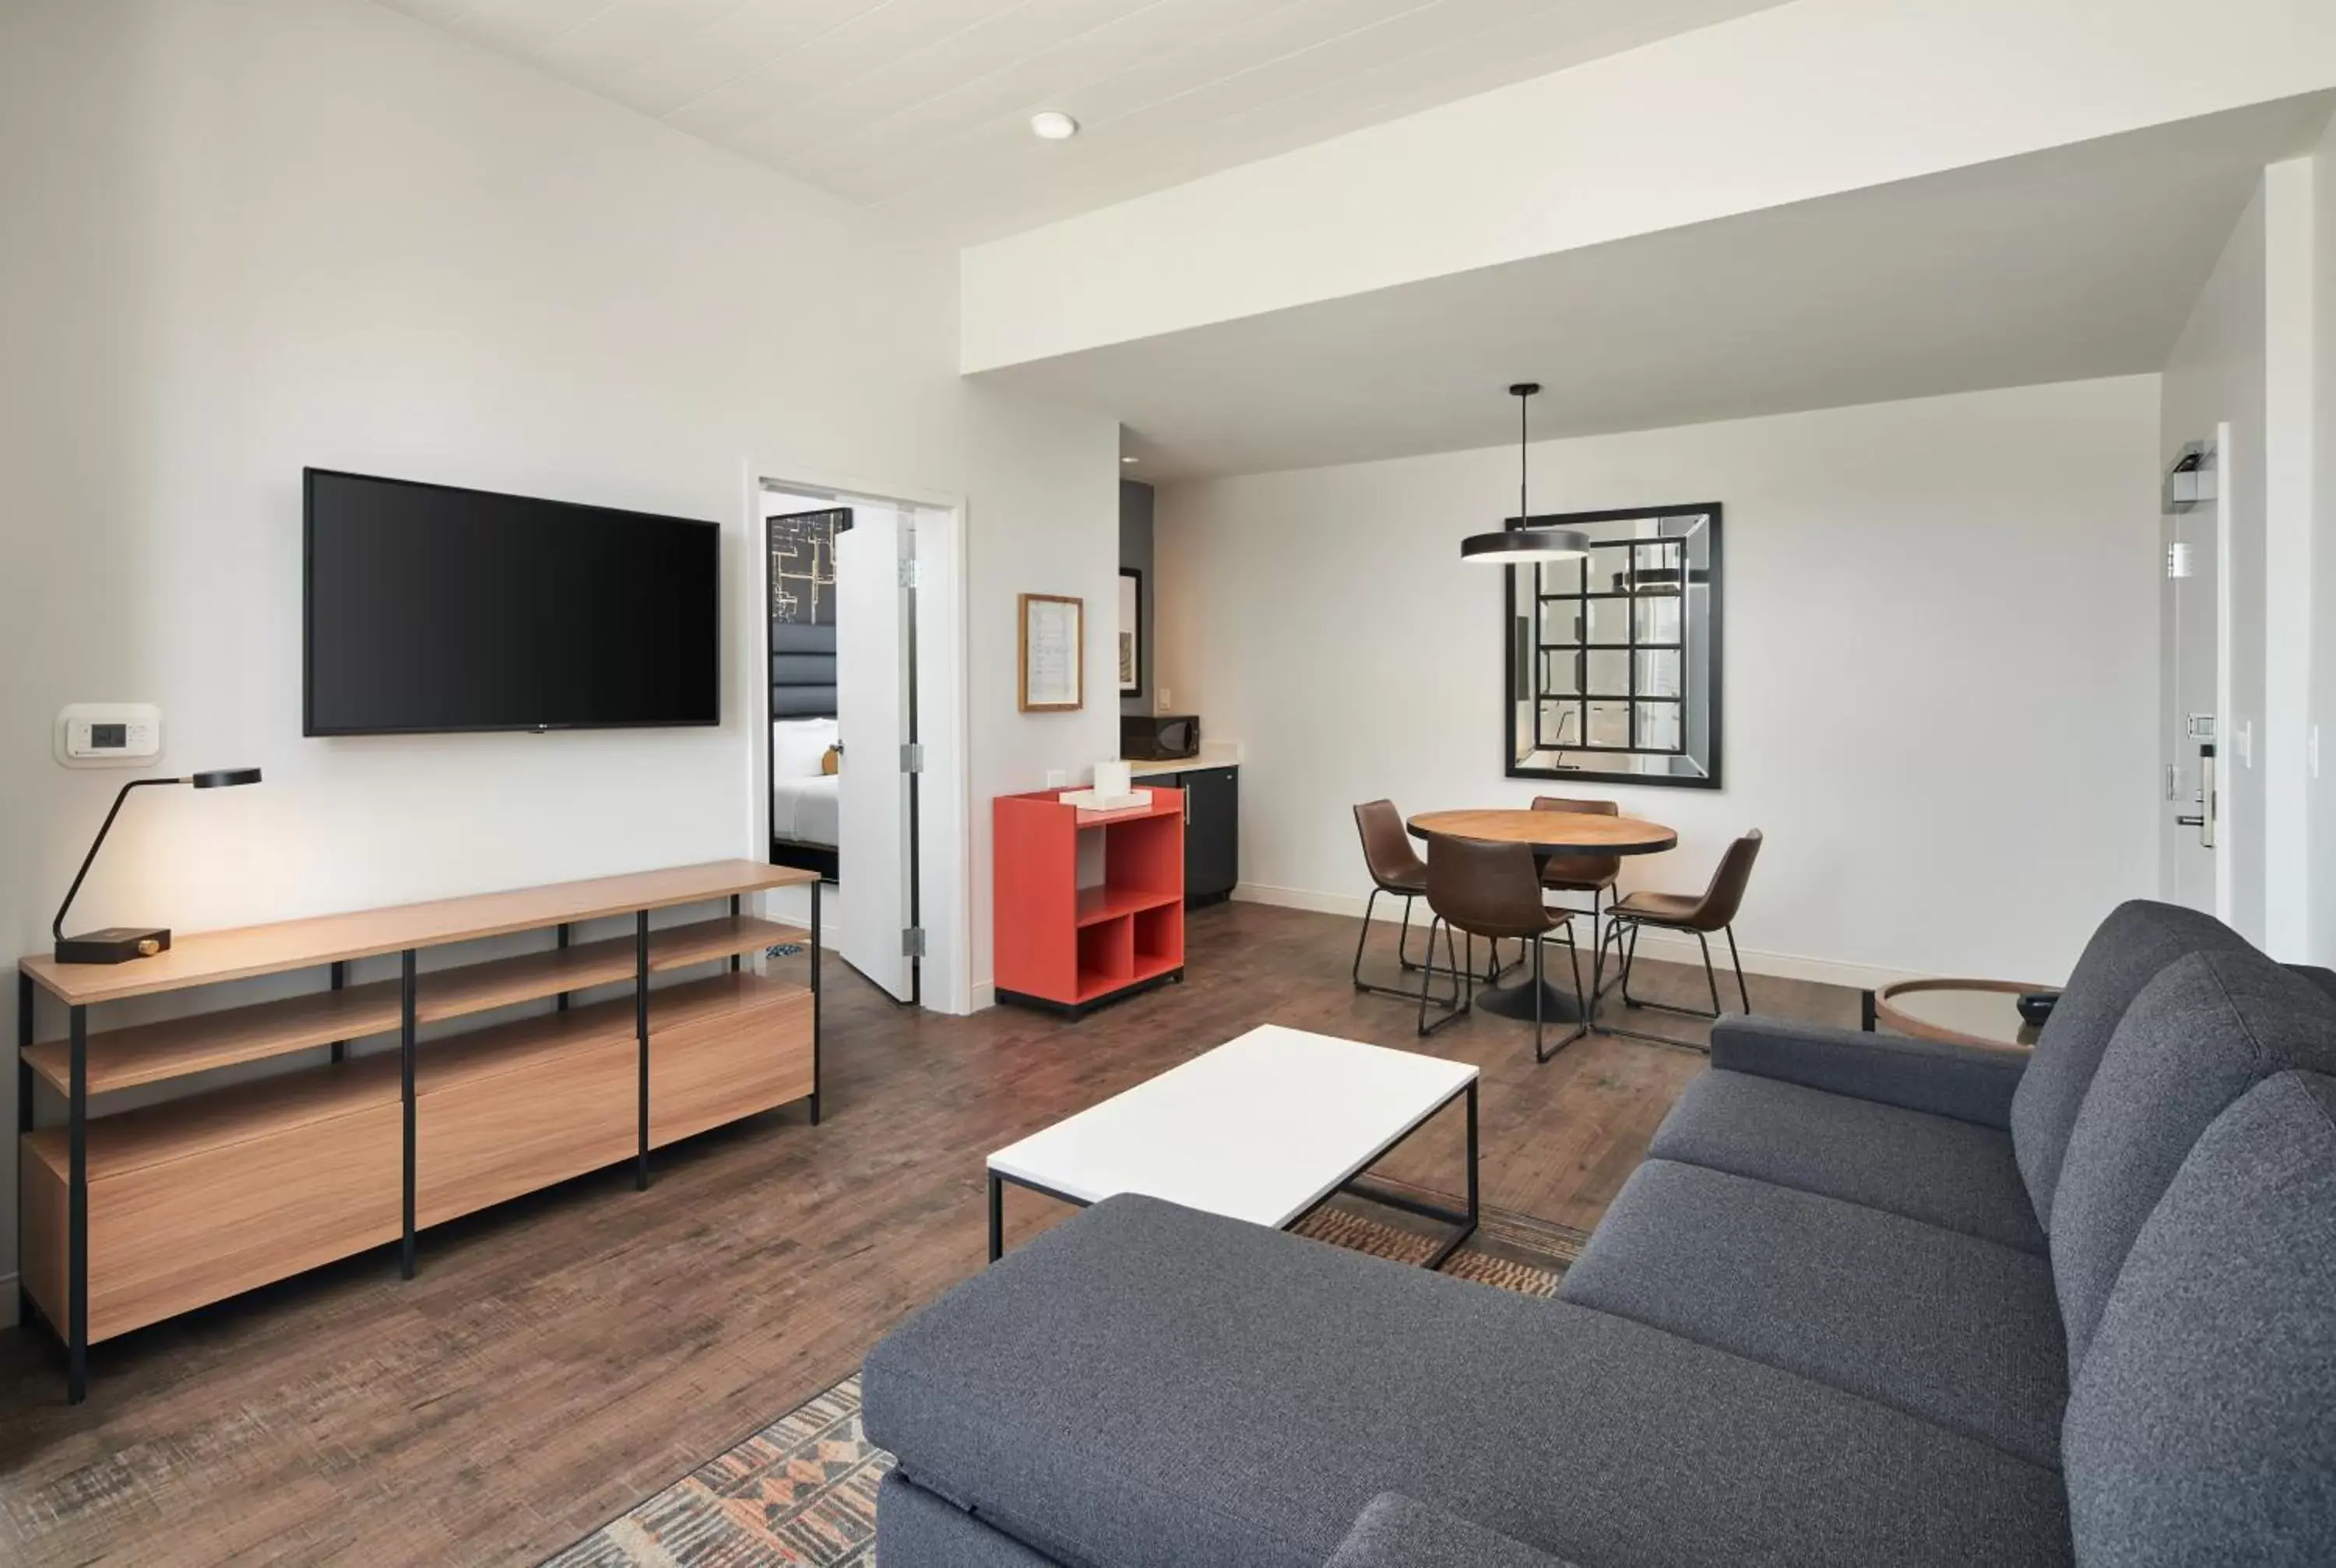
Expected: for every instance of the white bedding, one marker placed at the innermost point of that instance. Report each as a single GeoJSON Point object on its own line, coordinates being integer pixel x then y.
{"type": "Point", "coordinates": [804, 809]}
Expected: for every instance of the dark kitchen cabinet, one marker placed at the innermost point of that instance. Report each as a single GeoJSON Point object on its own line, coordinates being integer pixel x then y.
{"type": "Point", "coordinates": [1211, 833]}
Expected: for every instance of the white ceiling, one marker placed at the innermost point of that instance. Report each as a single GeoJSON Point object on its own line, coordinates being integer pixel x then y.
{"type": "Point", "coordinates": [920, 109]}
{"type": "Point", "coordinates": [2080, 262]}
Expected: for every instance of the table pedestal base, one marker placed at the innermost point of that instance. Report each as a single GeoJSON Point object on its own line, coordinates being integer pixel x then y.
{"type": "Point", "coordinates": [1517, 1002]}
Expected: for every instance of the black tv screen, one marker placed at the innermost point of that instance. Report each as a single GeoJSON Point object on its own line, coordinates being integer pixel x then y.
{"type": "Point", "coordinates": [434, 609]}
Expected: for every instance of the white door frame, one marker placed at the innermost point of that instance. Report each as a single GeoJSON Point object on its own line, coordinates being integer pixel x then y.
{"type": "Point", "coordinates": [945, 838]}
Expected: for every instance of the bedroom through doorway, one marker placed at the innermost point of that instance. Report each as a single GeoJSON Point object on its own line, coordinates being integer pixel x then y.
{"type": "Point", "coordinates": [841, 738]}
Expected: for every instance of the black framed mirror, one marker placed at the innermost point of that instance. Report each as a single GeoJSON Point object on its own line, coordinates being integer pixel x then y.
{"type": "Point", "coordinates": [1614, 661]}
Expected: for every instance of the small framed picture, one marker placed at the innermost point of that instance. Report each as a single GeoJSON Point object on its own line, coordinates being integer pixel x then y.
{"type": "Point", "coordinates": [1052, 653]}
{"type": "Point", "coordinates": [1130, 632]}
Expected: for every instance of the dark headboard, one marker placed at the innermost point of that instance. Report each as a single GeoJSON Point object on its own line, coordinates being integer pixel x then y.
{"type": "Point", "coordinates": [803, 671]}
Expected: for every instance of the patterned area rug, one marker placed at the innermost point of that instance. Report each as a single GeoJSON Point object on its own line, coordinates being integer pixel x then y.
{"type": "Point", "coordinates": [801, 1492]}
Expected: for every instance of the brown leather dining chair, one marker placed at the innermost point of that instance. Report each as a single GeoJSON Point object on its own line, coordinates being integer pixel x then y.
{"type": "Point", "coordinates": [1490, 890]}
{"type": "Point", "coordinates": [1713, 909]}
{"type": "Point", "coordinates": [1591, 874]}
{"type": "Point", "coordinates": [1395, 869]}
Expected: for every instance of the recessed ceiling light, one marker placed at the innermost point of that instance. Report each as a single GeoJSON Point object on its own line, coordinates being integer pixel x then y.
{"type": "Point", "coordinates": [1053, 125]}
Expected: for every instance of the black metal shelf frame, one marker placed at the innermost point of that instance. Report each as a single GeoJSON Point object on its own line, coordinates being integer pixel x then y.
{"type": "Point", "coordinates": [74, 1335]}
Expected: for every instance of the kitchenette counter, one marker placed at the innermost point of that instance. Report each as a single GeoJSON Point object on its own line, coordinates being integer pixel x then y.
{"type": "Point", "coordinates": [1160, 767]}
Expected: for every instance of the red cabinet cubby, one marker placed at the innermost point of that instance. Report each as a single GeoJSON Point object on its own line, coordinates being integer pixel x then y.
{"type": "Point", "coordinates": [1089, 905]}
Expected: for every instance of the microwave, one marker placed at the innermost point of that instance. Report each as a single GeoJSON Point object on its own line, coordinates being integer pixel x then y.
{"type": "Point", "coordinates": [1150, 737]}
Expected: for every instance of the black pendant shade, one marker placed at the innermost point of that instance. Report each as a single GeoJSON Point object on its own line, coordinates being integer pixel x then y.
{"type": "Point", "coordinates": [225, 778]}
{"type": "Point", "coordinates": [1522, 544]}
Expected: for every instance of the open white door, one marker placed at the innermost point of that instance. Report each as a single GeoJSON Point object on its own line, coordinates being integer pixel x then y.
{"type": "Point", "coordinates": [872, 722]}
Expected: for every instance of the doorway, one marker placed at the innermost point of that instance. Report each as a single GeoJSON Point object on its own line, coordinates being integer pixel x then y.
{"type": "Point", "coordinates": [2193, 621]}
{"type": "Point", "coordinates": [860, 770]}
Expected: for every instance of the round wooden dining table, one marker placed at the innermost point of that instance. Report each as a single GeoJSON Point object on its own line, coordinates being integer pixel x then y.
{"type": "Point", "coordinates": [1546, 833]}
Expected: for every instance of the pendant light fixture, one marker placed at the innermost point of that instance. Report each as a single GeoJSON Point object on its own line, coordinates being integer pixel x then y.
{"type": "Point", "coordinates": [1523, 545]}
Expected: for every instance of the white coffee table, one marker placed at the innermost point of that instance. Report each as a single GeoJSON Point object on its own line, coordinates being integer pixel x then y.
{"type": "Point", "coordinates": [1263, 1128]}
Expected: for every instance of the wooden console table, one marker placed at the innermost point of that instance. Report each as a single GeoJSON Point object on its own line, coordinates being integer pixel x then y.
{"type": "Point", "coordinates": [133, 1216]}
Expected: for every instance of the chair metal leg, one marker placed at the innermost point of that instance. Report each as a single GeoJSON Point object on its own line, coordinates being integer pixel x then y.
{"type": "Point", "coordinates": [1370, 988]}
{"type": "Point", "coordinates": [1630, 956]}
{"type": "Point", "coordinates": [1710, 978]}
{"type": "Point", "coordinates": [1458, 1005]}
{"type": "Point", "coordinates": [1584, 1005]}
{"type": "Point", "coordinates": [1364, 935]}
{"type": "Point", "coordinates": [1741, 990]}
{"type": "Point", "coordinates": [1540, 998]}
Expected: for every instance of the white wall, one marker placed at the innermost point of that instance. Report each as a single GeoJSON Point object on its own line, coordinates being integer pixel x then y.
{"type": "Point", "coordinates": [2216, 374]}
{"type": "Point", "coordinates": [1940, 625]}
{"type": "Point", "coordinates": [1783, 105]}
{"type": "Point", "coordinates": [2289, 482]}
{"type": "Point", "coordinates": [242, 235]}
{"type": "Point", "coordinates": [2322, 798]}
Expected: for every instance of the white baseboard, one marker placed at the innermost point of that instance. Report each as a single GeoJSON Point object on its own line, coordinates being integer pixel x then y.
{"type": "Point", "coordinates": [1674, 947]}
{"type": "Point", "coordinates": [985, 995]}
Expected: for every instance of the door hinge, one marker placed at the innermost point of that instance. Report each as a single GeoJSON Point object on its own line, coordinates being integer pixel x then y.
{"type": "Point", "coordinates": [907, 574]}
{"type": "Point", "coordinates": [913, 757]}
{"type": "Point", "coordinates": [912, 942]}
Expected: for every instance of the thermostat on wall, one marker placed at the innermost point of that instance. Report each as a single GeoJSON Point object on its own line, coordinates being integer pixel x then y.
{"type": "Point", "coordinates": [109, 734]}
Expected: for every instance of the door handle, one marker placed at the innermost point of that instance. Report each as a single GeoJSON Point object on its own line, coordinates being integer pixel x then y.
{"type": "Point", "coordinates": [2209, 806]}
{"type": "Point", "coordinates": [2197, 822]}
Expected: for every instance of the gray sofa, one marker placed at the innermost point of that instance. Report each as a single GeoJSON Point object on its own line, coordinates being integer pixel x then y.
{"type": "Point", "coordinates": [1868, 1301]}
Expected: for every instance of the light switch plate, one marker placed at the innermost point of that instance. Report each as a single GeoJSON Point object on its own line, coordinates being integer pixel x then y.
{"type": "Point", "coordinates": [107, 735]}
{"type": "Point", "coordinates": [1164, 701]}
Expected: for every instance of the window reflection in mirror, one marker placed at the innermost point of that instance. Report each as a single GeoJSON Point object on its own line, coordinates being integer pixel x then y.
{"type": "Point", "coordinates": [1613, 663]}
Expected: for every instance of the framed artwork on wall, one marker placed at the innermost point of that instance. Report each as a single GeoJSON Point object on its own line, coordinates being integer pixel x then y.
{"type": "Point", "coordinates": [1053, 638]}
{"type": "Point", "coordinates": [1130, 645]}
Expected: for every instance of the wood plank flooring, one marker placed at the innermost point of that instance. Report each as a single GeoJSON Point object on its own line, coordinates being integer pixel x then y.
{"type": "Point", "coordinates": [563, 1356]}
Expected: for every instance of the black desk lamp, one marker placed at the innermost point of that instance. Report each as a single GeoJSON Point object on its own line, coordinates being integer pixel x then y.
{"type": "Point", "coordinates": [118, 944]}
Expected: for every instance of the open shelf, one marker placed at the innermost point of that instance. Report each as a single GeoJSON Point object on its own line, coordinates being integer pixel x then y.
{"type": "Point", "coordinates": [174, 1129]}
{"type": "Point", "coordinates": [179, 1048]}
{"type": "Point", "coordinates": [1106, 903]}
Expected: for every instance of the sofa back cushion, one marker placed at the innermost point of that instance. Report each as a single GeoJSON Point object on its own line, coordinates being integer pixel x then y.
{"type": "Point", "coordinates": [2206, 1030]}
{"type": "Point", "coordinates": [2138, 938]}
{"type": "Point", "coordinates": [2203, 1426]}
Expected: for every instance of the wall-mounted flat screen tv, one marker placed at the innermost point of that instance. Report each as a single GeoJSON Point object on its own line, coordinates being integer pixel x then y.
{"type": "Point", "coordinates": [430, 608]}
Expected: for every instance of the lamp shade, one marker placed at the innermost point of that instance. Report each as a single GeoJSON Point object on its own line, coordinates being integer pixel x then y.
{"type": "Point", "coordinates": [1522, 546]}
{"type": "Point", "coordinates": [225, 778]}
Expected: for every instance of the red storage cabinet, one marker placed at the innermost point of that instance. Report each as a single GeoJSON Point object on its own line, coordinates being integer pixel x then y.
{"type": "Point", "coordinates": [1089, 906]}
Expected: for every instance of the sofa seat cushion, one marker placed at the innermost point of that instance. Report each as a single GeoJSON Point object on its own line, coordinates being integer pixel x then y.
{"type": "Point", "coordinates": [1938, 1324]}
{"type": "Point", "coordinates": [2139, 939]}
{"type": "Point", "coordinates": [2206, 1030]}
{"type": "Point", "coordinates": [2203, 1427]}
{"type": "Point", "coordinates": [1148, 1387]}
{"type": "Point", "coordinates": [915, 1529]}
{"type": "Point", "coordinates": [1396, 1532]}
{"type": "Point", "coordinates": [1951, 1174]}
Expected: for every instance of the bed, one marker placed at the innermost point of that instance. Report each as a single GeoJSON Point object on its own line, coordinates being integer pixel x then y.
{"type": "Point", "coordinates": [803, 796]}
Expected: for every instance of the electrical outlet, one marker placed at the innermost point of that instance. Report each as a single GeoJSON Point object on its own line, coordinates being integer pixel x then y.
{"type": "Point", "coordinates": [1057, 779]}
{"type": "Point", "coordinates": [2246, 743]}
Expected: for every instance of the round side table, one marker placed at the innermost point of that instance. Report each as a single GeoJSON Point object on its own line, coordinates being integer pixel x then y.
{"type": "Point", "coordinates": [1958, 1011]}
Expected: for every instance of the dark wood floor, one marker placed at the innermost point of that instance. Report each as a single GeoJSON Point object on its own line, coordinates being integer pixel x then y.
{"type": "Point", "coordinates": [562, 1358]}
